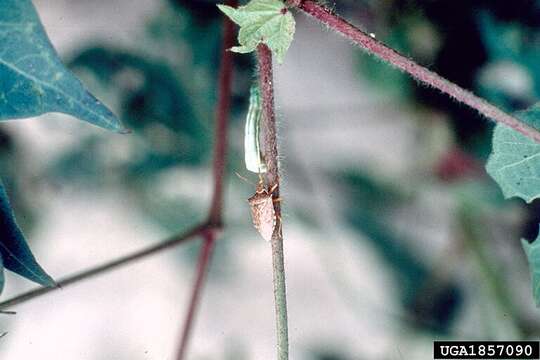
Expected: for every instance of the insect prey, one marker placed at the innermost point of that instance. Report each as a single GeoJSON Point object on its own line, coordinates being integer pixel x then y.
{"type": "Point", "coordinates": [252, 147]}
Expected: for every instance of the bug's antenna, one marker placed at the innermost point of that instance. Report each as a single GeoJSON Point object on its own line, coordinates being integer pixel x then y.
{"type": "Point", "coordinates": [246, 180]}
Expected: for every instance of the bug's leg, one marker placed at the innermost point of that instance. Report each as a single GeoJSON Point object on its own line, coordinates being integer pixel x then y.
{"type": "Point", "coordinates": [272, 189]}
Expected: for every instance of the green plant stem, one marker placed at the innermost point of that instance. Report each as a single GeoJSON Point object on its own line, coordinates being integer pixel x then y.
{"type": "Point", "coordinates": [106, 267]}
{"type": "Point", "coordinates": [418, 72]}
{"type": "Point", "coordinates": [264, 57]}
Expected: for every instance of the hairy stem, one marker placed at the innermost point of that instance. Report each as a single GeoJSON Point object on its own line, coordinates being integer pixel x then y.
{"type": "Point", "coordinates": [101, 269]}
{"type": "Point", "coordinates": [418, 72]}
{"type": "Point", "coordinates": [202, 270]}
{"type": "Point", "coordinates": [264, 57]}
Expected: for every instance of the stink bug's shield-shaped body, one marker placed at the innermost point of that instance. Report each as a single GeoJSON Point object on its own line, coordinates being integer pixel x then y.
{"type": "Point", "coordinates": [263, 212]}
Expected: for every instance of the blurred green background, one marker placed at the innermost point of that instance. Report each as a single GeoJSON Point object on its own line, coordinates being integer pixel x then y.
{"type": "Point", "coordinates": [394, 234]}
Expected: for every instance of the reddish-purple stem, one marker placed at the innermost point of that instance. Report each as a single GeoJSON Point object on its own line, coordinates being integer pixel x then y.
{"type": "Point", "coordinates": [222, 118]}
{"type": "Point", "coordinates": [202, 270]}
{"type": "Point", "coordinates": [106, 267]}
{"type": "Point", "coordinates": [220, 155]}
{"type": "Point", "coordinates": [420, 73]}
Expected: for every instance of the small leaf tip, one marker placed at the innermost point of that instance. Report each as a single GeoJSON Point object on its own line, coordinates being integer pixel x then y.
{"type": "Point", "coordinates": [49, 282]}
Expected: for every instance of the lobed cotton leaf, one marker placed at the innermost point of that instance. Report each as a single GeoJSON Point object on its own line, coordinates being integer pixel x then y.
{"type": "Point", "coordinates": [262, 21]}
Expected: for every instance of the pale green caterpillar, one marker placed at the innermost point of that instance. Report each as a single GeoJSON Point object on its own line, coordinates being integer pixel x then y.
{"type": "Point", "coordinates": [252, 146]}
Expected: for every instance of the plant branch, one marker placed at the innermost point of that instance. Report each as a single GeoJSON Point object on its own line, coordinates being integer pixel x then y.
{"type": "Point", "coordinates": [106, 267]}
{"type": "Point", "coordinates": [215, 214]}
{"type": "Point", "coordinates": [223, 107]}
{"type": "Point", "coordinates": [264, 57]}
{"type": "Point", "coordinates": [418, 72]}
{"type": "Point", "coordinates": [202, 271]}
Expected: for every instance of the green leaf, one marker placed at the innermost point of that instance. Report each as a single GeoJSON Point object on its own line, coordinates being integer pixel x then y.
{"type": "Point", "coordinates": [532, 250]}
{"type": "Point", "coordinates": [34, 80]}
{"type": "Point", "coordinates": [14, 252]}
{"type": "Point", "coordinates": [262, 21]}
{"type": "Point", "coordinates": [514, 162]}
